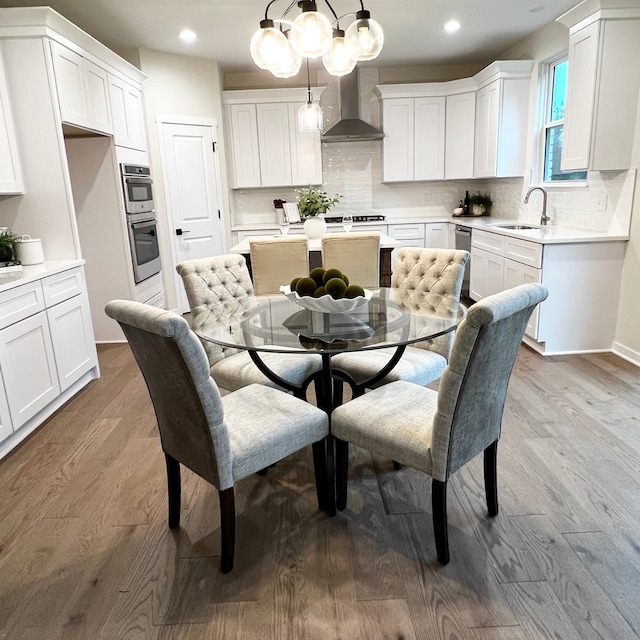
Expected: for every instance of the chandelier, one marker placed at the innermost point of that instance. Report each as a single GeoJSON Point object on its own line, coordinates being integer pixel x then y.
{"type": "Point", "coordinates": [312, 35]}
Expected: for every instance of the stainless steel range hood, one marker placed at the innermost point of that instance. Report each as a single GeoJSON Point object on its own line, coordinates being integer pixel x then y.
{"type": "Point", "coordinates": [351, 127]}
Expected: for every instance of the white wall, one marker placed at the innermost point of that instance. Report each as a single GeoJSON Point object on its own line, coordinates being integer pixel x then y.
{"type": "Point", "coordinates": [183, 86]}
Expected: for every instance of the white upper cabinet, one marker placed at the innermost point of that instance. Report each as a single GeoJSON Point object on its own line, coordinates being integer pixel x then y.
{"type": "Point", "coordinates": [460, 135]}
{"type": "Point", "coordinates": [267, 150]}
{"type": "Point", "coordinates": [428, 150]}
{"type": "Point", "coordinates": [127, 114]}
{"type": "Point", "coordinates": [83, 90]}
{"type": "Point", "coordinates": [413, 143]}
{"type": "Point", "coordinates": [243, 124]}
{"type": "Point", "coordinates": [273, 144]}
{"type": "Point", "coordinates": [469, 128]}
{"type": "Point", "coordinates": [602, 89]}
{"type": "Point", "coordinates": [10, 171]}
{"type": "Point", "coordinates": [502, 113]}
{"type": "Point", "coordinates": [306, 152]}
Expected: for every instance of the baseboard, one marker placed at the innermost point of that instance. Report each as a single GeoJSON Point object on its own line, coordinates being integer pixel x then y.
{"type": "Point", "coordinates": [627, 354]}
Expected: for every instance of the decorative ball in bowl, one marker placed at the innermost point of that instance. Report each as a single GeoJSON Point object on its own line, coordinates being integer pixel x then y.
{"type": "Point", "coordinates": [327, 291]}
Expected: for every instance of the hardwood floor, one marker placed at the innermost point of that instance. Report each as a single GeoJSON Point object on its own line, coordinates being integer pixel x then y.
{"type": "Point", "coordinates": [85, 552]}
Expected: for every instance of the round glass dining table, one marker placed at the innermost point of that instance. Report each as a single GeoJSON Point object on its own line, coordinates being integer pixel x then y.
{"type": "Point", "coordinates": [390, 318]}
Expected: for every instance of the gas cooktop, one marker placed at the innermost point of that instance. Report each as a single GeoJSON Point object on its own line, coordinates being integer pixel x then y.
{"type": "Point", "coordinates": [363, 218]}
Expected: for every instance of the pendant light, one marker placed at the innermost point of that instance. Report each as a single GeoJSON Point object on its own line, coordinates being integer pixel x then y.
{"type": "Point", "coordinates": [309, 114]}
{"type": "Point", "coordinates": [337, 61]}
{"type": "Point", "coordinates": [311, 31]}
{"type": "Point", "coordinates": [268, 45]}
{"type": "Point", "coordinates": [289, 62]}
{"type": "Point", "coordinates": [364, 37]}
{"type": "Point", "coordinates": [311, 36]}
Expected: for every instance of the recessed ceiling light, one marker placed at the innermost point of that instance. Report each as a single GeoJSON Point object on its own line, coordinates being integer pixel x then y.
{"type": "Point", "coordinates": [186, 35]}
{"type": "Point", "coordinates": [451, 26]}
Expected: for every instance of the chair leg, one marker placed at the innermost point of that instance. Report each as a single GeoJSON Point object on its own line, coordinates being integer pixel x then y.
{"type": "Point", "coordinates": [173, 490]}
{"type": "Point", "coordinates": [342, 472]}
{"type": "Point", "coordinates": [331, 477]}
{"type": "Point", "coordinates": [491, 478]}
{"type": "Point", "coordinates": [227, 528]}
{"type": "Point", "coordinates": [320, 469]}
{"type": "Point", "coordinates": [439, 507]}
{"type": "Point", "coordinates": [338, 392]}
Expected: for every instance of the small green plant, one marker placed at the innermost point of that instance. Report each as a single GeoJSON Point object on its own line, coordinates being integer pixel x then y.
{"type": "Point", "coordinates": [7, 245]}
{"type": "Point", "coordinates": [313, 202]}
{"type": "Point", "coordinates": [481, 199]}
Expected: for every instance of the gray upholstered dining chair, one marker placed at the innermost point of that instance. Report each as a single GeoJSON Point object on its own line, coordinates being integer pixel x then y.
{"type": "Point", "coordinates": [429, 279]}
{"type": "Point", "coordinates": [221, 439]}
{"type": "Point", "coordinates": [356, 254]}
{"type": "Point", "coordinates": [220, 287]}
{"type": "Point", "coordinates": [277, 261]}
{"type": "Point", "coordinates": [439, 432]}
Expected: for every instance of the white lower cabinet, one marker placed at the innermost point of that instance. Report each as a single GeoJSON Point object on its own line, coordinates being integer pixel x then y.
{"type": "Point", "coordinates": [46, 345]}
{"type": "Point", "coordinates": [29, 368]}
{"type": "Point", "coordinates": [6, 426]}
{"type": "Point", "coordinates": [436, 235]}
{"type": "Point", "coordinates": [72, 336]}
{"type": "Point", "coordinates": [583, 280]}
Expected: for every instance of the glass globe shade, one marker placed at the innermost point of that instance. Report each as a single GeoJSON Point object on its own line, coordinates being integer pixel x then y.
{"type": "Point", "coordinates": [311, 34]}
{"type": "Point", "coordinates": [267, 45]}
{"type": "Point", "coordinates": [310, 117]}
{"type": "Point", "coordinates": [364, 38]}
{"type": "Point", "coordinates": [337, 61]}
{"type": "Point", "coordinates": [288, 66]}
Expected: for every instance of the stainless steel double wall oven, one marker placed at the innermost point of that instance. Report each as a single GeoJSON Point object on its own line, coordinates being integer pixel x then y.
{"type": "Point", "coordinates": [141, 220]}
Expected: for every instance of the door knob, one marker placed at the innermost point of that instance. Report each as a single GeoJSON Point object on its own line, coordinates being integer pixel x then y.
{"type": "Point", "coordinates": [179, 232]}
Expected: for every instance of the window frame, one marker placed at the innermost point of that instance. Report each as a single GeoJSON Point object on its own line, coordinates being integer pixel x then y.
{"type": "Point", "coordinates": [545, 98]}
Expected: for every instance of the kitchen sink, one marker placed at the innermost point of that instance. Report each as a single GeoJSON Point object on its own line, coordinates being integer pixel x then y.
{"type": "Point", "coordinates": [515, 226]}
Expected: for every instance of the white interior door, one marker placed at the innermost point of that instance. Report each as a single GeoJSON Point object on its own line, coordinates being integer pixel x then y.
{"type": "Point", "coordinates": [192, 190]}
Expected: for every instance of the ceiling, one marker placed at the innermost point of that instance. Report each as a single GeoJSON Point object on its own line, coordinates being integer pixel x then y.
{"type": "Point", "coordinates": [413, 29]}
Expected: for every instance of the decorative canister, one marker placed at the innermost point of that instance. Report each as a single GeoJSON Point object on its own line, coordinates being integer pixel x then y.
{"type": "Point", "coordinates": [29, 250]}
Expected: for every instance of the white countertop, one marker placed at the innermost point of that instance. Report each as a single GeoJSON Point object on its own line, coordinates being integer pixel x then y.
{"type": "Point", "coordinates": [30, 273]}
{"type": "Point", "coordinates": [552, 234]}
{"type": "Point", "coordinates": [386, 242]}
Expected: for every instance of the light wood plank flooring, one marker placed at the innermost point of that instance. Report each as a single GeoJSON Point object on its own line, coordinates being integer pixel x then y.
{"type": "Point", "coordinates": [85, 552]}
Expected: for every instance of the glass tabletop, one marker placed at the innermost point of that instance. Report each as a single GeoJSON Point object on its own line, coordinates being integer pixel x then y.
{"type": "Point", "coordinates": [392, 317]}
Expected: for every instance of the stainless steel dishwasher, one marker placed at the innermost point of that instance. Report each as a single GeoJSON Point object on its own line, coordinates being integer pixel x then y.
{"type": "Point", "coordinates": [463, 241]}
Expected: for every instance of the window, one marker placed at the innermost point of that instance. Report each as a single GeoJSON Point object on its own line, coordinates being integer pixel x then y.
{"type": "Point", "coordinates": [556, 93]}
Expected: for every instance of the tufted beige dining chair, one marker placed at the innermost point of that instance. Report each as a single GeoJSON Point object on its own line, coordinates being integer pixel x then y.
{"type": "Point", "coordinates": [220, 287]}
{"type": "Point", "coordinates": [277, 261]}
{"type": "Point", "coordinates": [221, 439]}
{"type": "Point", "coordinates": [439, 432]}
{"type": "Point", "coordinates": [429, 279]}
{"type": "Point", "coordinates": [356, 254]}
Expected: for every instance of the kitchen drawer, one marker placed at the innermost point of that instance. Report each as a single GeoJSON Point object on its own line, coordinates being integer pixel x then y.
{"type": "Point", "coordinates": [20, 302]}
{"type": "Point", "coordinates": [493, 242]}
{"type": "Point", "coordinates": [62, 286]}
{"type": "Point", "coordinates": [407, 232]}
{"type": "Point", "coordinates": [523, 251]}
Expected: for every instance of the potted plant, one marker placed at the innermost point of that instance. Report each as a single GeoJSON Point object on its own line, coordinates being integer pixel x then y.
{"type": "Point", "coordinates": [480, 203]}
{"type": "Point", "coordinates": [313, 204]}
{"type": "Point", "coordinates": [7, 245]}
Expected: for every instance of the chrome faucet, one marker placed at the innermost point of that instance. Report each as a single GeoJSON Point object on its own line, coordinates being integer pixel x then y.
{"type": "Point", "coordinates": [544, 218]}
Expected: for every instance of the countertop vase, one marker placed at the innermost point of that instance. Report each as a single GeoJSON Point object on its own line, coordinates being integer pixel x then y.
{"type": "Point", "coordinates": [315, 227]}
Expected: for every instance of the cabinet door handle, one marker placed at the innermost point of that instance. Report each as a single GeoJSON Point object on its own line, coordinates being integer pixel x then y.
{"type": "Point", "coordinates": [179, 232]}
